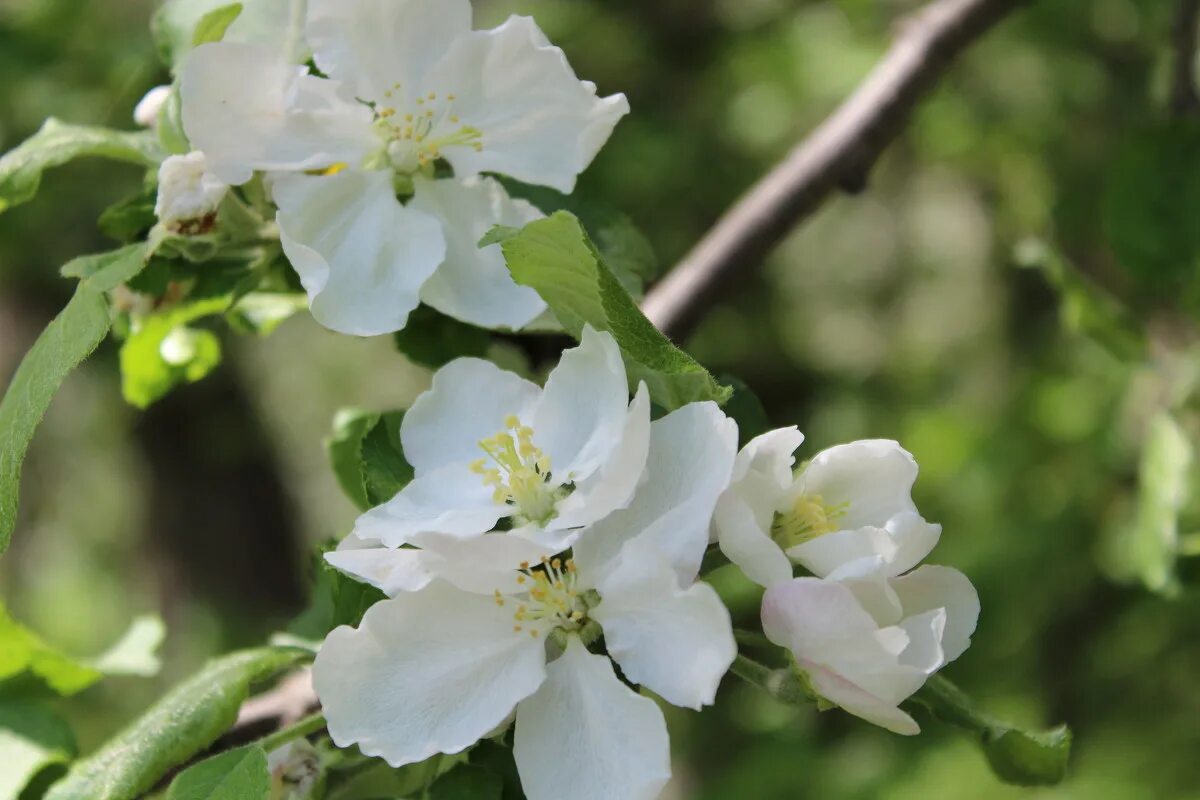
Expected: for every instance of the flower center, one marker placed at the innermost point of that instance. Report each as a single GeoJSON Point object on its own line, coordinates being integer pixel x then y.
{"type": "Point", "coordinates": [552, 599]}
{"type": "Point", "coordinates": [416, 136]}
{"type": "Point", "coordinates": [809, 517]}
{"type": "Point", "coordinates": [520, 475]}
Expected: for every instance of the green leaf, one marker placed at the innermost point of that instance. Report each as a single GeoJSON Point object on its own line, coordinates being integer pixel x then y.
{"type": "Point", "coordinates": [746, 410]}
{"type": "Point", "coordinates": [69, 339]}
{"type": "Point", "coordinates": [113, 267]}
{"type": "Point", "coordinates": [135, 653]}
{"type": "Point", "coordinates": [1151, 187]}
{"type": "Point", "coordinates": [22, 651]}
{"type": "Point", "coordinates": [337, 599]}
{"type": "Point", "coordinates": [212, 26]}
{"type": "Point", "coordinates": [164, 351]}
{"type": "Point", "coordinates": [262, 312]}
{"type": "Point", "coordinates": [240, 774]}
{"type": "Point", "coordinates": [130, 219]}
{"type": "Point", "coordinates": [555, 257]}
{"type": "Point", "coordinates": [468, 783]}
{"type": "Point", "coordinates": [385, 470]}
{"type": "Point", "coordinates": [180, 725]}
{"type": "Point", "coordinates": [432, 339]}
{"type": "Point", "coordinates": [1152, 545]}
{"type": "Point", "coordinates": [56, 143]}
{"type": "Point", "coordinates": [1023, 758]}
{"type": "Point", "coordinates": [32, 739]}
{"type": "Point", "coordinates": [624, 248]}
{"type": "Point", "coordinates": [344, 445]}
{"type": "Point", "coordinates": [1086, 308]}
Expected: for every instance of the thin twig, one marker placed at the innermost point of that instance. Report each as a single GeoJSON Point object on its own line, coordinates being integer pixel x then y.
{"type": "Point", "coordinates": [1184, 99]}
{"type": "Point", "coordinates": [839, 153]}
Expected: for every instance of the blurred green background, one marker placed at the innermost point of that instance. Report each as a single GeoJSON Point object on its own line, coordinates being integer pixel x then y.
{"type": "Point", "coordinates": [898, 313]}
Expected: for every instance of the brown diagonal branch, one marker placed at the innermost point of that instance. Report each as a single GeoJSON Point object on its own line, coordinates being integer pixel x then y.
{"type": "Point", "coordinates": [1184, 99]}
{"type": "Point", "coordinates": [839, 153]}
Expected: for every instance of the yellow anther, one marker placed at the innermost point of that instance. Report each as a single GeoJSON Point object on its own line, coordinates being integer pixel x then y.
{"type": "Point", "coordinates": [517, 629]}
{"type": "Point", "coordinates": [451, 97]}
{"type": "Point", "coordinates": [454, 118]}
{"type": "Point", "coordinates": [524, 565]}
{"type": "Point", "coordinates": [433, 95]}
{"type": "Point", "coordinates": [533, 632]}
{"type": "Point", "coordinates": [408, 117]}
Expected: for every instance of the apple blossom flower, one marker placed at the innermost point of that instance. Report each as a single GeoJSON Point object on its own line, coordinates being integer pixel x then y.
{"type": "Point", "coordinates": [145, 113]}
{"type": "Point", "coordinates": [407, 84]}
{"type": "Point", "coordinates": [848, 513]}
{"type": "Point", "coordinates": [866, 646]}
{"type": "Point", "coordinates": [295, 770]}
{"type": "Point", "coordinates": [486, 444]}
{"type": "Point", "coordinates": [434, 670]}
{"type": "Point", "coordinates": [188, 193]}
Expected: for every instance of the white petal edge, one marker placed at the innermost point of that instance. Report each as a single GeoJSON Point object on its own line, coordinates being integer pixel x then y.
{"type": "Point", "coordinates": [361, 255]}
{"type": "Point", "coordinates": [468, 401]}
{"type": "Point", "coordinates": [425, 672]}
{"type": "Point", "coordinates": [762, 475]}
{"type": "Point", "coordinates": [676, 642]}
{"type": "Point", "coordinates": [931, 587]}
{"type": "Point", "coordinates": [372, 45]}
{"type": "Point", "coordinates": [691, 456]}
{"type": "Point", "coordinates": [586, 733]}
{"type": "Point", "coordinates": [473, 284]}
{"type": "Point", "coordinates": [451, 500]}
{"type": "Point", "coordinates": [246, 108]}
{"type": "Point", "coordinates": [540, 123]}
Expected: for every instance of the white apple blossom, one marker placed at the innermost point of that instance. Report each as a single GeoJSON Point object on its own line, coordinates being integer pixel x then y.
{"type": "Point", "coordinates": [188, 193]}
{"type": "Point", "coordinates": [866, 645]}
{"type": "Point", "coordinates": [486, 444]}
{"type": "Point", "coordinates": [434, 670]}
{"type": "Point", "coordinates": [848, 513]}
{"type": "Point", "coordinates": [145, 113]}
{"type": "Point", "coordinates": [407, 83]}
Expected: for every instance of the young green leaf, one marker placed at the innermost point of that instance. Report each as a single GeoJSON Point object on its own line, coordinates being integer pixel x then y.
{"type": "Point", "coordinates": [56, 143]}
{"type": "Point", "coordinates": [432, 339]}
{"type": "Point", "coordinates": [136, 652]}
{"type": "Point", "coordinates": [164, 351]}
{"type": "Point", "coordinates": [344, 446]}
{"type": "Point", "coordinates": [32, 739]}
{"type": "Point", "coordinates": [239, 774]}
{"type": "Point", "coordinates": [180, 725]}
{"type": "Point", "coordinates": [336, 600]}
{"type": "Point", "coordinates": [385, 470]}
{"type": "Point", "coordinates": [22, 651]}
{"type": "Point", "coordinates": [555, 257]}
{"type": "Point", "coordinates": [467, 783]}
{"type": "Point", "coordinates": [212, 26]}
{"type": "Point", "coordinates": [624, 248]}
{"type": "Point", "coordinates": [1023, 758]}
{"type": "Point", "coordinates": [68, 340]}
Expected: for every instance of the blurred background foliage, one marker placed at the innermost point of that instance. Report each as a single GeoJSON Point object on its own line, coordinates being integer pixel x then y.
{"type": "Point", "coordinates": [909, 311]}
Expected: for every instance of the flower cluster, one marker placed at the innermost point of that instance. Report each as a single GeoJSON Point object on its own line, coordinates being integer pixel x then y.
{"type": "Point", "coordinates": [868, 629]}
{"type": "Point", "coordinates": [552, 533]}
{"type": "Point", "coordinates": [380, 163]}
{"type": "Point", "coordinates": [543, 566]}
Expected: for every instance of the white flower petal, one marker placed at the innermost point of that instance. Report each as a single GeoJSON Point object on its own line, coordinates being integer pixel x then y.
{"type": "Point", "coordinates": [473, 284]}
{"type": "Point", "coordinates": [933, 587]}
{"type": "Point", "coordinates": [373, 45]}
{"type": "Point", "coordinates": [859, 702]}
{"type": "Point", "coordinates": [468, 402]}
{"type": "Point", "coordinates": [360, 254]}
{"type": "Point", "coordinates": [691, 456]}
{"type": "Point", "coordinates": [391, 570]}
{"type": "Point", "coordinates": [145, 113]}
{"type": "Point", "coordinates": [875, 476]}
{"type": "Point", "coordinates": [762, 475]}
{"type": "Point", "coordinates": [540, 124]}
{"type": "Point", "coordinates": [586, 735]}
{"type": "Point", "coordinates": [482, 564]}
{"type": "Point", "coordinates": [450, 500]}
{"type": "Point", "coordinates": [579, 419]}
{"type": "Point", "coordinates": [248, 109]}
{"type": "Point", "coordinates": [427, 672]}
{"type": "Point", "coordinates": [850, 659]}
{"type": "Point", "coordinates": [886, 551]}
{"type": "Point", "coordinates": [675, 642]}
{"type": "Point", "coordinates": [612, 486]}
{"type": "Point", "coordinates": [923, 648]}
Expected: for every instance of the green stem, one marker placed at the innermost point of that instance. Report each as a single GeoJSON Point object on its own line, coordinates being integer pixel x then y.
{"type": "Point", "coordinates": [310, 724]}
{"type": "Point", "coordinates": [785, 685]}
{"type": "Point", "coordinates": [751, 639]}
